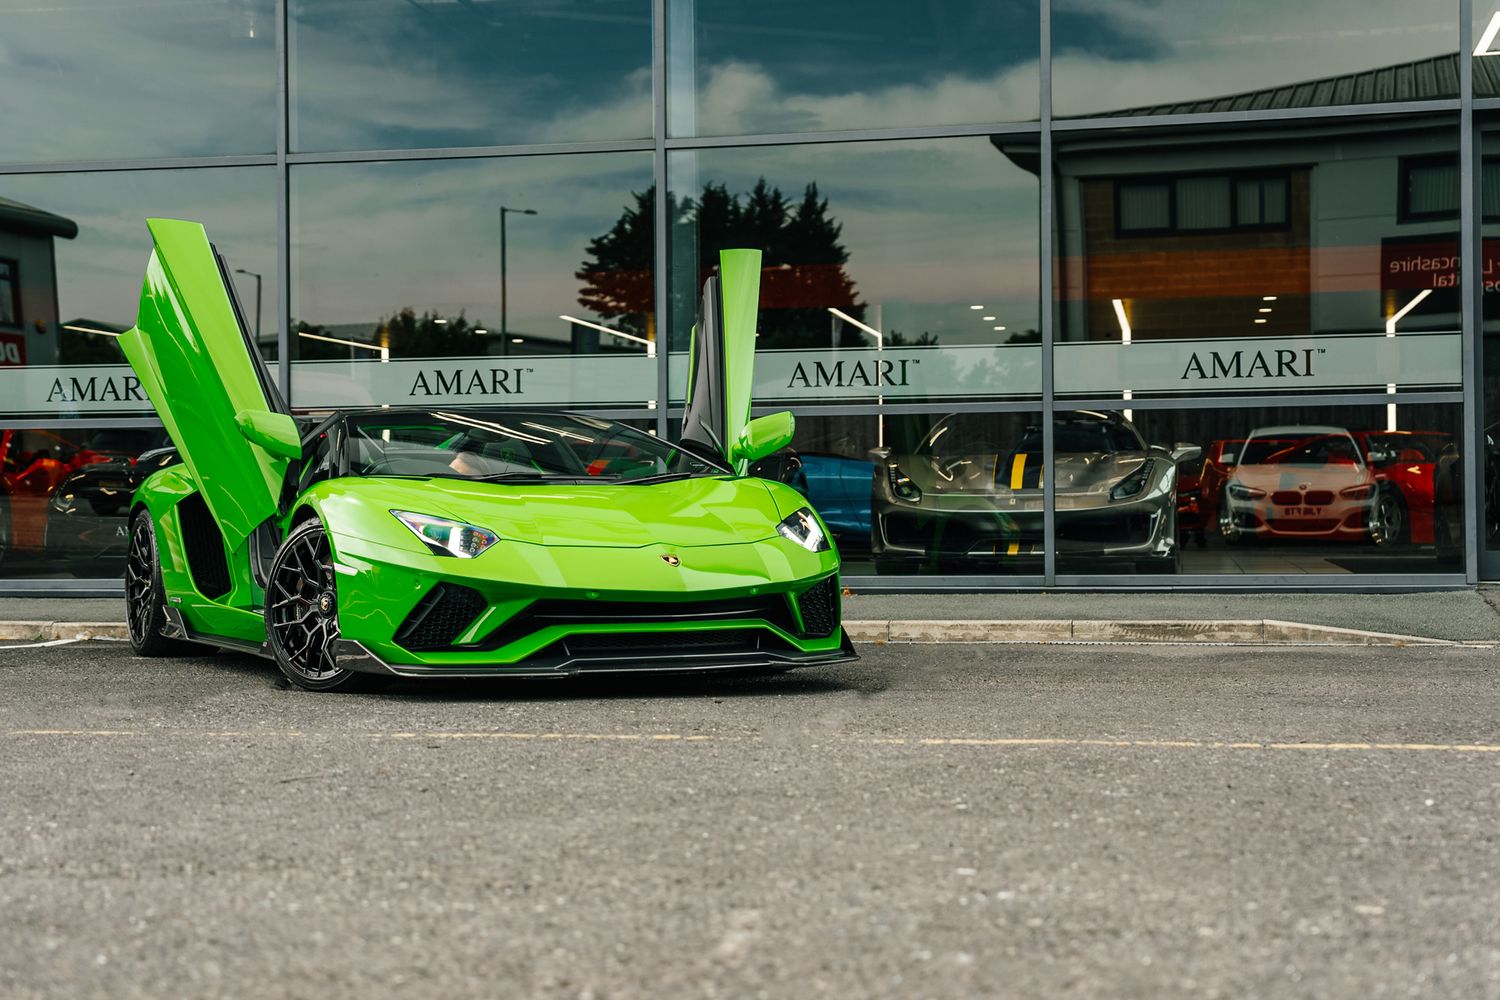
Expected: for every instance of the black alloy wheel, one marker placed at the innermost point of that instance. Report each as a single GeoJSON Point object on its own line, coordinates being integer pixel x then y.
{"type": "Point", "coordinates": [145, 597]}
{"type": "Point", "coordinates": [302, 613]}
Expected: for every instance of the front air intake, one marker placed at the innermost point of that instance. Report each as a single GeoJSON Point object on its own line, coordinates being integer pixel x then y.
{"type": "Point", "coordinates": [819, 606]}
{"type": "Point", "coordinates": [441, 617]}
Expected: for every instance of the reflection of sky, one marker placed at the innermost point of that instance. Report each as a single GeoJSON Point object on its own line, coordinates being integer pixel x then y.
{"type": "Point", "coordinates": [792, 66]}
{"type": "Point", "coordinates": [100, 272]}
{"type": "Point", "coordinates": [932, 227]}
{"type": "Point", "coordinates": [1131, 53]}
{"type": "Point", "coordinates": [90, 80]}
{"type": "Point", "coordinates": [382, 74]}
{"type": "Point", "coordinates": [369, 239]}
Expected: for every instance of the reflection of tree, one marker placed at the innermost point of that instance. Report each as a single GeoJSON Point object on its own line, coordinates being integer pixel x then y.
{"type": "Point", "coordinates": [75, 347]}
{"type": "Point", "coordinates": [803, 261]}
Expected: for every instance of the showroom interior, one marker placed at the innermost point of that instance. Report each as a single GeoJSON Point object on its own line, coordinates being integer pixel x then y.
{"type": "Point", "coordinates": [1194, 294]}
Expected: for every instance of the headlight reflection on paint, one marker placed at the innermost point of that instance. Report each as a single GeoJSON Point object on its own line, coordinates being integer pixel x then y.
{"type": "Point", "coordinates": [445, 537]}
{"type": "Point", "coordinates": [804, 529]}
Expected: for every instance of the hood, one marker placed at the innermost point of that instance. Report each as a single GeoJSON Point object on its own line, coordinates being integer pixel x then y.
{"type": "Point", "coordinates": [687, 512]}
{"type": "Point", "coordinates": [1019, 472]}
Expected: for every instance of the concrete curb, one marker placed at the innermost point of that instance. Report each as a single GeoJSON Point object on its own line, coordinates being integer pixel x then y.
{"type": "Point", "coordinates": [1255, 631]}
{"type": "Point", "coordinates": [1262, 631]}
{"type": "Point", "coordinates": [46, 631]}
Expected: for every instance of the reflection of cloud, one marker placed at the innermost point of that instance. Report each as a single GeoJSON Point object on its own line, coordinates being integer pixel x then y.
{"type": "Point", "coordinates": [1134, 53]}
{"type": "Point", "coordinates": [739, 98]}
{"type": "Point", "coordinates": [383, 76]}
{"type": "Point", "coordinates": [96, 82]}
{"type": "Point", "coordinates": [371, 238]}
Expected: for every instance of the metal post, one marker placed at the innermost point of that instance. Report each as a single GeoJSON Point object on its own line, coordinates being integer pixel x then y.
{"type": "Point", "coordinates": [504, 325]}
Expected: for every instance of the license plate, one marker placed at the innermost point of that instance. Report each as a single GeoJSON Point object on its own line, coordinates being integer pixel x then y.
{"type": "Point", "coordinates": [1300, 511]}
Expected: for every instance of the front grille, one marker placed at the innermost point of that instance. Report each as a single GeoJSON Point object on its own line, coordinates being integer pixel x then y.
{"type": "Point", "coordinates": [1304, 525]}
{"type": "Point", "coordinates": [772, 608]}
{"type": "Point", "coordinates": [819, 607]}
{"type": "Point", "coordinates": [441, 617]}
{"type": "Point", "coordinates": [204, 545]}
{"type": "Point", "coordinates": [1287, 498]}
{"type": "Point", "coordinates": [1318, 498]}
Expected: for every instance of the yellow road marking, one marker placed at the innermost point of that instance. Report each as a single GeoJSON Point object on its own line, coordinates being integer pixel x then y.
{"type": "Point", "coordinates": [1038, 742]}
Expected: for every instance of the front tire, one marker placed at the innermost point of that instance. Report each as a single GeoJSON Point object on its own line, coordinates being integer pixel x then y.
{"type": "Point", "coordinates": [146, 598]}
{"type": "Point", "coordinates": [302, 617]}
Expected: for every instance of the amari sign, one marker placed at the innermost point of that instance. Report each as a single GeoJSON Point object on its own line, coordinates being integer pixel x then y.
{"type": "Point", "coordinates": [1093, 368]}
{"type": "Point", "coordinates": [1355, 361]}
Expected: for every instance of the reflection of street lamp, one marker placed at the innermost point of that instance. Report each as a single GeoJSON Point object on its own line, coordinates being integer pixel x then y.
{"type": "Point", "coordinates": [241, 270]}
{"type": "Point", "coordinates": [1390, 331]}
{"type": "Point", "coordinates": [384, 352]}
{"type": "Point", "coordinates": [512, 211]}
{"type": "Point", "coordinates": [879, 346]}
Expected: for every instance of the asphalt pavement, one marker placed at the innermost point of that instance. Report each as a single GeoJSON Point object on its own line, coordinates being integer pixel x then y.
{"type": "Point", "coordinates": [933, 821]}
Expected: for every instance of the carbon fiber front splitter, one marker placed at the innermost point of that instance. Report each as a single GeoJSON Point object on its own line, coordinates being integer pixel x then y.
{"type": "Point", "coordinates": [354, 656]}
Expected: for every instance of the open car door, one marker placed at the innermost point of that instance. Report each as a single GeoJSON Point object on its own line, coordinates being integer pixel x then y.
{"type": "Point", "coordinates": [195, 359]}
{"type": "Point", "coordinates": [721, 363]}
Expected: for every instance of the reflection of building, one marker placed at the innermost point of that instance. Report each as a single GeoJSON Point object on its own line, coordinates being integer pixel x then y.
{"type": "Point", "coordinates": [1272, 230]}
{"type": "Point", "coordinates": [28, 283]}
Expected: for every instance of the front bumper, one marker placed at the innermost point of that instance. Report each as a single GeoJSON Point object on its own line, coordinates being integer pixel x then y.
{"type": "Point", "coordinates": [1132, 531]}
{"type": "Point", "coordinates": [558, 611]}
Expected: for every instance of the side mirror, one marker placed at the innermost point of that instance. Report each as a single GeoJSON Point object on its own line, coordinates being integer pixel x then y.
{"type": "Point", "coordinates": [764, 435]}
{"type": "Point", "coordinates": [275, 432]}
{"type": "Point", "coordinates": [1182, 451]}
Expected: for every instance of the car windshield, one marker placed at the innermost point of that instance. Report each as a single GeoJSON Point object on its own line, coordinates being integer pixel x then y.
{"type": "Point", "coordinates": [1258, 450]}
{"type": "Point", "coordinates": [1336, 449]}
{"type": "Point", "coordinates": [1082, 437]}
{"type": "Point", "coordinates": [512, 446]}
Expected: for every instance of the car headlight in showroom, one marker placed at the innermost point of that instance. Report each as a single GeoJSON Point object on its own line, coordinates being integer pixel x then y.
{"type": "Point", "coordinates": [901, 485]}
{"type": "Point", "coordinates": [445, 537]}
{"type": "Point", "coordinates": [1132, 484]}
{"type": "Point", "coordinates": [1240, 491]}
{"type": "Point", "coordinates": [804, 529]}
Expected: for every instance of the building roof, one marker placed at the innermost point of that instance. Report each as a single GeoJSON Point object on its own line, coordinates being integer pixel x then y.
{"type": "Point", "coordinates": [1435, 78]}
{"type": "Point", "coordinates": [15, 216]}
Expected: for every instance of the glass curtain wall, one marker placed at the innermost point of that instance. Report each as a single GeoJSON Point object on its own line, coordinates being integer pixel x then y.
{"type": "Point", "coordinates": [1062, 294]}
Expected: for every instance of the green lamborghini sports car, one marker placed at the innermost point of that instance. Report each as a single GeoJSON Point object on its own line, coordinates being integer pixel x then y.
{"type": "Point", "coordinates": [464, 543]}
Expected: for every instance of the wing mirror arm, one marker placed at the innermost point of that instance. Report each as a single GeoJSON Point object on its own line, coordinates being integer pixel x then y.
{"type": "Point", "coordinates": [275, 432]}
{"type": "Point", "coordinates": [764, 435]}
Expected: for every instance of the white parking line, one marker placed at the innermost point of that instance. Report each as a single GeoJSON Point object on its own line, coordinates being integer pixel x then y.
{"type": "Point", "coordinates": [36, 645]}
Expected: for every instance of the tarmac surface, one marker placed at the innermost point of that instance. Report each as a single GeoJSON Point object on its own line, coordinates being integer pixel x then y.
{"type": "Point", "coordinates": [933, 821]}
{"type": "Point", "coordinates": [1464, 615]}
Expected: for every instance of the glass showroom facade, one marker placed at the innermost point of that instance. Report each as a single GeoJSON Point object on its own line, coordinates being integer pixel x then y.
{"type": "Point", "coordinates": [1197, 292]}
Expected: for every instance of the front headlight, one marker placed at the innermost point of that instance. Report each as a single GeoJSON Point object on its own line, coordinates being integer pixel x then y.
{"type": "Point", "coordinates": [1133, 483]}
{"type": "Point", "coordinates": [445, 537]}
{"type": "Point", "coordinates": [901, 485]}
{"type": "Point", "coordinates": [1240, 491]}
{"type": "Point", "coordinates": [804, 529]}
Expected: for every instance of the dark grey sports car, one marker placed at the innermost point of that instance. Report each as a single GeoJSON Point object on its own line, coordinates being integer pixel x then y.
{"type": "Point", "coordinates": [959, 501]}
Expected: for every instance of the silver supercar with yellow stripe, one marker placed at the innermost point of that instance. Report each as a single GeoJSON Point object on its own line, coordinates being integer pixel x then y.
{"type": "Point", "coordinates": [969, 497]}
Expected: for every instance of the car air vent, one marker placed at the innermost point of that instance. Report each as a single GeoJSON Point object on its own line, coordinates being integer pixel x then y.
{"type": "Point", "coordinates": [819, 607]}
{"type": "Point", "coordinates": [441, 617]}
{"type": "Point", "coordinates": [204, 545]}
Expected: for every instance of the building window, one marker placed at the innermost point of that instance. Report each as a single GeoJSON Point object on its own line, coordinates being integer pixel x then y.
{"type": "Point", "coordinates": [1205, 203]}
{"type": "Point", "coordinates": [10, 294]}
{"type": "Point", "coordinates": [1430, 188]}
